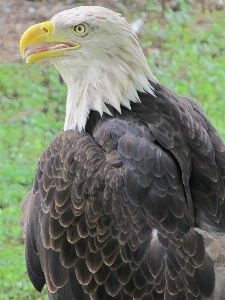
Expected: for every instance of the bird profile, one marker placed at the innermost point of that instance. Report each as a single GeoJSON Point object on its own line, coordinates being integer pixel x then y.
{"type": "Point", "coordinates": [128, 201]}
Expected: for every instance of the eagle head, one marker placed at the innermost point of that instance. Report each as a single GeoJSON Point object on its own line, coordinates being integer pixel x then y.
{"type": "Point", "coordinates": [98, 56]}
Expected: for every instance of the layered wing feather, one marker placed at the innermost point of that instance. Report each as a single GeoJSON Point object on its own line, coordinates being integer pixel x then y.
{"type": "Point", "coordinates": [113, 210]}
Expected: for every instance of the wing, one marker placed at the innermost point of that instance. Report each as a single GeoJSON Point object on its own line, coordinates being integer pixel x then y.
{"type": "Point", "coordinates": [108, 218]}
{"type": "Point", "coordinates": [208, 175]}
{"type": "Point", "coordinates": [168, 260]}
{"type": "Point", "coordinates": [181, 126]}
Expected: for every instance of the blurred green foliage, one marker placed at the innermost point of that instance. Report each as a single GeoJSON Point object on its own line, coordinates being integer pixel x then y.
{"type": "Point", "coordinates": [185, 50]}
{"type": "Point", "coordinates": [190, 58]}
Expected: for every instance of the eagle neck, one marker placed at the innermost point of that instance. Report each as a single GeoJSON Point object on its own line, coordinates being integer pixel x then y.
{"type": "Point", "coordinates": [99, 85]}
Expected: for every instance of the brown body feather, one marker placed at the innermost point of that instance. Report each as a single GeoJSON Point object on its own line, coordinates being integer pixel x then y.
{"type": "Point", "coordinates": [113, 210]}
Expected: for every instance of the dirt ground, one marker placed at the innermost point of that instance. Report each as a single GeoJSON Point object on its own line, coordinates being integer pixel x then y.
{"type": "Point", "coordinates": [17, 15]}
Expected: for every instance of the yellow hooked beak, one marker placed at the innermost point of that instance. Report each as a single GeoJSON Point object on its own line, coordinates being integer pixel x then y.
{"type": "Point", "coordinates": [37, 43]}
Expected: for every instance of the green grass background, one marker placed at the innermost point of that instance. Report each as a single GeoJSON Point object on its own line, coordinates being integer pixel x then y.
{"type": "Point", "coordinates": [185, 50]}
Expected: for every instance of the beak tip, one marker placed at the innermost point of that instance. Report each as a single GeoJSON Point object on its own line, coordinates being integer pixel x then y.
{"type": "Point", "coordinates": [34, 35]}
{"type": "Point", "coordinates": [22, 51]}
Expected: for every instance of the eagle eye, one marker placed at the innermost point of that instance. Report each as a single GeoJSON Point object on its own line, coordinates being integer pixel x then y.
{"type": "Point", "coordinates": [80, 29]}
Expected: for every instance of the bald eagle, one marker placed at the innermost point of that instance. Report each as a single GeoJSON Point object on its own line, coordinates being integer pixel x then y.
{"type": "Point", "coordinates": [128, 201]}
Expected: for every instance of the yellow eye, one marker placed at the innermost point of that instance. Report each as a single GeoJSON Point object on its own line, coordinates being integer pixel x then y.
{"type": "Point", "coordinates": [80, 29]}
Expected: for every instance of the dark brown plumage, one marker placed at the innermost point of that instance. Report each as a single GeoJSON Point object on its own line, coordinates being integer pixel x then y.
{"type": "Point", "coordinates": [113, 210]}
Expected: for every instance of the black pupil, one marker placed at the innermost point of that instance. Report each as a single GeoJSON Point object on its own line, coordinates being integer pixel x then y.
{"type": "Point", "coordinates": [80, 28]}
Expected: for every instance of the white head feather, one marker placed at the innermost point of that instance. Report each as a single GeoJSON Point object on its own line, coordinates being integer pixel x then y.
{"type": "Point", "coordinates": [110, 66]}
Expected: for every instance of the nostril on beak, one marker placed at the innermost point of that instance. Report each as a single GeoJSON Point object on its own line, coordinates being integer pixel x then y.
{"type": "Point", "coordinates": [45, 29]}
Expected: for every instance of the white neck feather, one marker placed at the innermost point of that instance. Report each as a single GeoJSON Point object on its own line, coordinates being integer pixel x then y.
{"type": "Point", "coordinates": [85, 96]}
{"type": "Point", "coordinates": [116, 87]}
